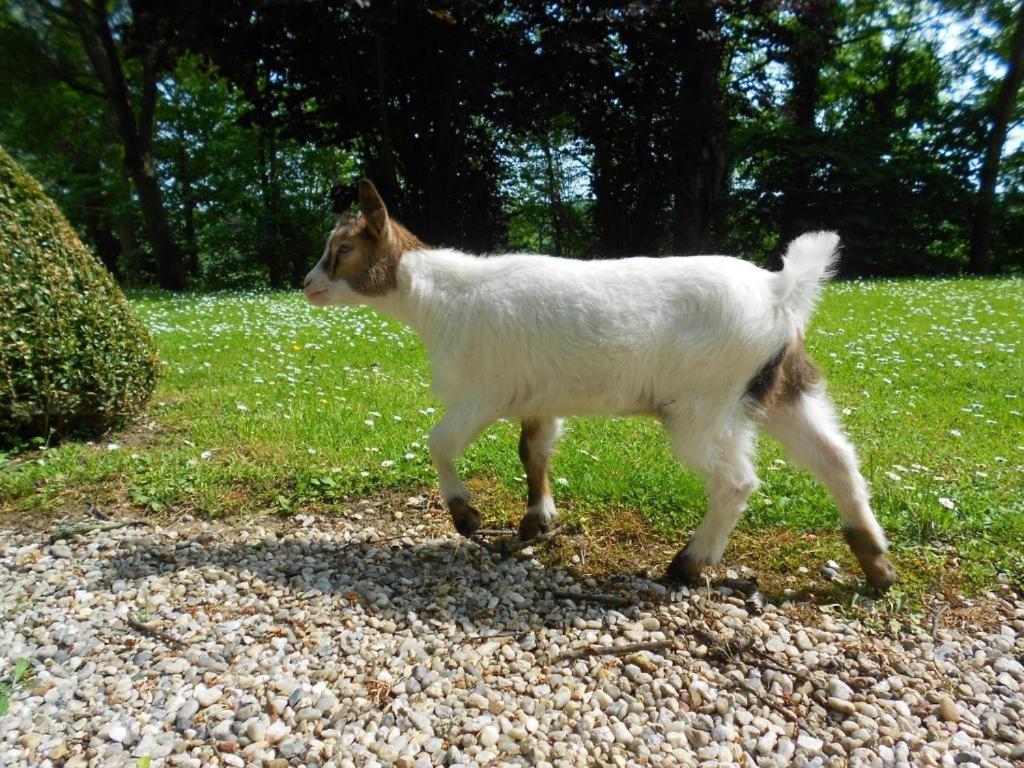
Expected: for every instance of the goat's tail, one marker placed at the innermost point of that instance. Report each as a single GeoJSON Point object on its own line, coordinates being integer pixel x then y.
{"type": "Point", "coordinates": [809, 261]}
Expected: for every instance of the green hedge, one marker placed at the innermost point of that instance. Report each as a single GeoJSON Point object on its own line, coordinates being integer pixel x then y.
{"type": "Point", "coordinates": [73, 358]}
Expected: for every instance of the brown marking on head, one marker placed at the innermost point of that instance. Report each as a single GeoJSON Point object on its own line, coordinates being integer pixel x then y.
{"type": "Point", "coordinates": [535, 462]}
{"type": "Point", "coordinates": [788, 374]}
{"type": "Point", "coordinates": [364, 250]}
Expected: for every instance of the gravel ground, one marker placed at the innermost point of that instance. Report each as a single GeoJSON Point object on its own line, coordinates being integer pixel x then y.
{"type": "Point", "coordinates": [326, 642]}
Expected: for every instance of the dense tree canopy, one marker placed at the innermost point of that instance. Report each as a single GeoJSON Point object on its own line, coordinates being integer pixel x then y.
{"type": "Point", "coordinates": [199, 141]}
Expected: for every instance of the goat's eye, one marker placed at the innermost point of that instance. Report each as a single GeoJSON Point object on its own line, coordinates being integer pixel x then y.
{"type": "Point", "coordinates": [344, 249]}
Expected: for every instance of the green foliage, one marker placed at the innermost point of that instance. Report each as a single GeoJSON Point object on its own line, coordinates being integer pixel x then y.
{"type": "Point", "coordinates": [556, 127]}
{"type": "Point", "coordinates": [73, 358]}
{"type": "Point", "coordinates": [19, 678]}
{"type": "Point", "coordinates": [251, 204]}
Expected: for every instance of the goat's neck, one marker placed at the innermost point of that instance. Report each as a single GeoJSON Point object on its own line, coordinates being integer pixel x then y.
{"type": "Point", "coordinates": [428, 282]}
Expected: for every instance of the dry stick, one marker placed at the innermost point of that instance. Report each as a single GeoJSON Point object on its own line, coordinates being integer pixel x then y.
{"type": "Point", "coordinates": [511, 546]}
{"type": "Point", "coordinates": [740, 650]}
{"type": "Point", "coordinates": [73, 529]}
{"type": "Point", "coordinates": [770, 702]}
{"type": "Point", "coordinates": [732, 652]}
{"type": "Point", "coordinates": [155, 633]}
{"type": "Point", "coordinates": [615, 650]}
{"type": "Point", "coordinates": [494, 532]}
{"type": "Point", "coordinates": [936, 618]}
{"type": "Point", "coordinates": [515, 633]}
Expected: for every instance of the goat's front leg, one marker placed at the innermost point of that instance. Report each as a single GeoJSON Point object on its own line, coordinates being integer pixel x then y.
{"type": "Point", "coordinates": [448, 439]}
{"type": "Point", "coordinates": [536, 445]}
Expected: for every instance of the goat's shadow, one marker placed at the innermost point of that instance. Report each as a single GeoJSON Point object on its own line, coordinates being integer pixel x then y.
{"type": "Point", "coordinates": [447, 580]}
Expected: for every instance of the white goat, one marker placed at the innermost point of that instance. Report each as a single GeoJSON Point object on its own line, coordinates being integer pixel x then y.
{"type": "Point", "coordinates": [710, 345]}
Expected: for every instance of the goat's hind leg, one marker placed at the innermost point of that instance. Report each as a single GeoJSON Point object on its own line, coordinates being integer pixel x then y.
{"type": "Point", "coordinates": [448, 439]}
{"type": "Point", "coordinates": [807, 427]}
{"type": "Point", "coordinates": [724, 463]}
{"type": "Point", "coordinates": [536, 445]}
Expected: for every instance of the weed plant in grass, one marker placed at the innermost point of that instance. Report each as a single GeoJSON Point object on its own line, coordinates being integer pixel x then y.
{"type": "Point", "coordinates": [266, 403]}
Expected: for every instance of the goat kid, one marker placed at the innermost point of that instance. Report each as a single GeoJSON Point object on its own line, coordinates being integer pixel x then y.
{"type": "Point", "coordinates": [709, 345]}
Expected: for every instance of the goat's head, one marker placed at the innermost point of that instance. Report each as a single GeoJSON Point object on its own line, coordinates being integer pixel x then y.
{"type": "Point", "coordinates": [362, 254]}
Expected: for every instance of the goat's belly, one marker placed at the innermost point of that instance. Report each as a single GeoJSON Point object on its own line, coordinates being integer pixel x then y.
{"type": "Point", "coordinates": [592, 397]}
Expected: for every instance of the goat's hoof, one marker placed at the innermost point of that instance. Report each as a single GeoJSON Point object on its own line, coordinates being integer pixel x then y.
{"type": "Point", "coordinates": [876, 566]}
{"type": "Point", "coordinates": [532, 526]}
{"type": "Point", "coordinates": [684, 569]}
{"type": "Point", "coordinates": [465, 517]}
{"type": "Point", "coordinates": [880, 573]}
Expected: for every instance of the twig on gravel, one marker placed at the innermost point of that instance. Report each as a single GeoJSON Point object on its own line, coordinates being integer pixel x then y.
{"type": "Point", "coordinates": [517, 634]}
{"type": "Point", "coordinates": [73, 529]}
{"type": "Point", "coordinates": [615, 650]}
{"type": "Point", "coordinates": [736, 652]}
{"type": "Point", "coordinates": [749, 589]}
{"type": "Point", "coordinates": [741, 650]}
{"type": "Point", "coordinates": [511, 546]}
{"type": "Point", "coordinates": [723, 650]}
{"type": "Point", "coordinates": [155, 633]}
{"type": "Point", "coordinates": [615, 601]}
{"type": "Point", "coordinates": [938, 617]}
{"type": "Point", "coordinates": [495, 532]}
{"type": "Point", "coordinates": [771, 702]}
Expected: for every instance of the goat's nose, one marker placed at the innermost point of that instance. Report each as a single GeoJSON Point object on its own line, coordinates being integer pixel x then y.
{"type": "Point", "coordinates": [306, 282]}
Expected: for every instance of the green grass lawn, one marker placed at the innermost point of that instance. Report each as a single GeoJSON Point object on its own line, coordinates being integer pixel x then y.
{"type": "Point", "coordinates": [268, 404]}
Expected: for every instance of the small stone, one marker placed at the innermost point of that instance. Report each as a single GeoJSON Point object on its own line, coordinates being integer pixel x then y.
{"type": "Point", "coordinates": [808, 744]}
{"type": "Point", "coordinates": [948, 710]}
{"type": "Point", "coordinates": [186, 713]}
{"type": "Point", "coordinates": [621, 733]}
{"type": "Point", "coordinates": [256, 729]}
{"type": "Point", "coordinates": [208, 696]}
{"type": "Point", "coordinates": [967, 757]}
{"type": "Point", "coordinates": [276, 731]}
{"type": "Point", "coordinates": [488, 736]}
{"type": "Point", "coordinates": [58, 752]}
{"type": "Point", "coordinates": [766, 743]}
{"type": "Point", "coordinates": [294, 748]}
{"type": "Point", "coordinates": [29, 741]}
{"type": "Point", "coordinates": [841, 705]}
{"type": "Point", "coordinates": [839, 690]}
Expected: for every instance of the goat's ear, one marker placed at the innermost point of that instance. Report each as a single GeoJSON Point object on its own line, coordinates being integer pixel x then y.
{"type": "Point", "coordinates": [373, 208]}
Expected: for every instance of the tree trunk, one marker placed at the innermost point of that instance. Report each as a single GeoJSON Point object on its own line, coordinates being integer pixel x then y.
{"type": "Point", "coordinates": [129, 255]}
{"type": "Point", "coordinates": [697, 153]}
{"type": "Point", "coordinates": [388, 184]}
{"type": "Point", "coordinates": [136, 134]}
{"type": "Point", "coordinates": [981, 232]}
{"type": "Point", "coordinates": [188, 197]}
{"type": "Point", "coordinates": [270, 235]}
{"type": "Point", "coordinates": [129, 252]}
{"type": "Point", "coordinates": [554, 197]}
{"type": "Point", "coordinates": [811, 46]}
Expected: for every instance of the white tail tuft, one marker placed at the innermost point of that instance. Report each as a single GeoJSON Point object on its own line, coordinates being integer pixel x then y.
{"type": "Point", "coordinates": [809, 261]}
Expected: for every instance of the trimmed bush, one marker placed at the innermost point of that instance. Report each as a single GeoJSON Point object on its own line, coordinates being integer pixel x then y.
{"type": "Point", "coordinates": [73, 358]}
